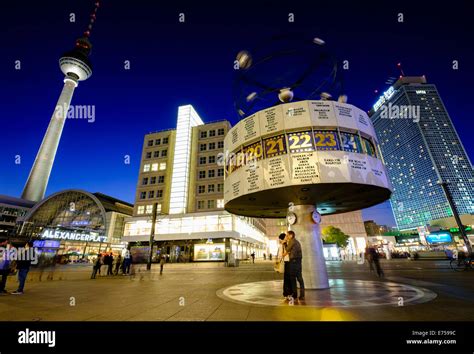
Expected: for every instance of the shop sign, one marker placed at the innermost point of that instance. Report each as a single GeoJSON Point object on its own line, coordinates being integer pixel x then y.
{"type": "Point", "coordinates": [72, 235]}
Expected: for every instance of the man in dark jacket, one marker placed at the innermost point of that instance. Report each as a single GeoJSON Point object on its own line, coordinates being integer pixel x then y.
{"type": "Point", "coordinates": [293, 249]}
{"type": "Point", "coordinates": [4, 267]}
{"type": "Point", "coordinates": [23, 267]}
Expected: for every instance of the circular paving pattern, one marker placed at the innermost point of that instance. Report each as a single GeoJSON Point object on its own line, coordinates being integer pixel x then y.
{"type": "Point", "coordinates": [342, 293]}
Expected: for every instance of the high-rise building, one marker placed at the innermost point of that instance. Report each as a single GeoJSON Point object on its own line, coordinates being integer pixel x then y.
{"type": "Point", "coordinates": [421, 147]}
{"type": "Point", "coordinates": [181, 172]}
{"type": "Point", "coordinates": [76, 66]}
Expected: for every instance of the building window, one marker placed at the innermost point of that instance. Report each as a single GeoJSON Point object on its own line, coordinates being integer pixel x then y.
{"type": "Point", "coordinates": [152, 180]}
{"type": "Point", "coordinates": [159, 193]}
{"type": "Point", "coordinates": [150, 142]}
{"type": "Point", "coordinates": [161, 179]}
{"type": "Point", "coordinates": [162, 166]}
{"type": "Point", "coordinates": [165, 141]}
{"type": "Point", "coordinates": [220, 144]}
{"type": "Point", "coordinates": [203, 135]}
{"type": "Point", "coordinates": [210, 204]}
{"type": "Point", "coordinates": [202, 174]}
{"type": "Point", "coordinates": [156, 154]}
{"type": "Point", "coordinates": [212, 133]}
{"type": "Point", "coordinates": [210, 188]}
{"type": "Point", "coordinates": [220, 187]}
{"type": "Point", "coordinates": [142, 195]}
{"type": "Point", "coordinates": [212, 146]}
{"type": "Point", "coordinates": [145, 181]}
{"type": "Point", "coordinates": [148, 155]}
{"type": "Point", "coordinates": [140, 209]}
{"type": "Point", "coordinates": [220, 172]}
{"type": "Point", "coordinates": [146, 167]}
{"type": "Point", "coordinates": [202, 160]}
{"type": "Point", "coordinates": [149, 209]}
{"type": "Point", "coordinates": [211, 173]}
{"type": "Point", "coordinates": [220, 203]}
{"type": "Point", "coordinates": [164, 153]}
{"type": "Point", "coordinates": [158, 208]}
{"type": "Point", "coordinates": [202, 147]}
{"type": "Point", "coordinates": [201, 189]}
{"type": "Point", "coordinates": [221, 131]}
{"type": "Point", "coordinates": [200, 204]}
{"type": "Point", "coordinates": [154, 167]}
{"type": "Point", "coordinates": [151, 194]}
{"type": "Point", "coordinates": [212, 159]}
{"type": "Point", "coordinates": [158, 142]}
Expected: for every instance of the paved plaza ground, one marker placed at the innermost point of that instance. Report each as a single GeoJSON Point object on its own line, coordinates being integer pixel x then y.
{"type": "Point", "coordinates": [428, 290]}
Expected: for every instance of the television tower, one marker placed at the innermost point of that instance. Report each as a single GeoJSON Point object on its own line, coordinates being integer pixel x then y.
{"type": "Point", "coordinates": [76, 66]}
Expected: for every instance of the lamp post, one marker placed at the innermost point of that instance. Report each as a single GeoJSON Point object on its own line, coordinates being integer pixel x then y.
{"type": "Point", "coordinates": [449, 197]}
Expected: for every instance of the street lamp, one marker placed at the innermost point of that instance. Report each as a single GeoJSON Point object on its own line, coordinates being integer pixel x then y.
{"type": "Point", "coordinates": [449, 197]}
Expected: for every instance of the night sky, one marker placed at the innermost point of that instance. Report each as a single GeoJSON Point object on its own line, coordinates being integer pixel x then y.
{"type": "Point", "coordinates": [176, 63]}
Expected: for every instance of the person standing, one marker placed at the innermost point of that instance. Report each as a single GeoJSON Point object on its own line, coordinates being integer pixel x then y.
{"type": "Point", "coordinates": [162, 263]}
{"type": "Point", "coordinates": [286, 265]}
{"type": "Point", "coordinates": [4, 267]}
{"type": "Point", "coordinates": [96, 266]}
{"type": "Point", "coordinates": [293, 250]}
{"type": "Point", "coordinates": [23, 267]}
{"type": "Point", "coordinates": [376, 260]}
{"type": "Point", "coordinates": [118, 263]}
{"type": "Point", "coordinates": [110, 263]}
{"type": "Point", "coordinates": [253, 257]}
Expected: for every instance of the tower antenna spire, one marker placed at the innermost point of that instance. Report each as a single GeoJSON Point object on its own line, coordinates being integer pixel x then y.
{"type": "Point", "coordinates": [93, 17]}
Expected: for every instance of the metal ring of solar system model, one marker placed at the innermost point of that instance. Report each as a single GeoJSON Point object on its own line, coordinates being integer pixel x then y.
{"type": "Point", "coordinates": [322, 153]}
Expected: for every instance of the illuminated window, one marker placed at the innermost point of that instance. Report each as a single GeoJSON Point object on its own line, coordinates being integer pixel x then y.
{"type": "Point", "coordinates": [202, 147]}
{"type": "Point", "coordinates": [140, 209]}
{"type": "Point", "coordinates": [159, 193]}
{"type": "Point", "coordinates": [149, 209]}
{"type": "Point", "coordinates": [161, 179]}
{"type": "Point", "coordinates": [201, 189]}
{"type": "Point", "coordinates": [220, 172]}
{"type": "Point", "coordinates": [157, 141]}
{"type": "Point", "coordinates": [210, 188]}
{"type": "Point", "coordinates": [146, 167]}
{"type": "Point", "coordinates": [220, 187]}
{"type": "Point", "coordinates": [154, 167]}
{"type": "Point", "coordinates": [151, 194]}
{"type": "Point", "coordinates": [221, 131]}
{"type": "Point", "coordinates": [164, 153]}
{"type": "Point", "coordinates": [203, 134]}
{"type": "Point", "coordinates": [212, 146]}
{"type": "Point", "coordinates": [202, 160]}
{"type": "Point", "coordinates": [220, 203]}
{"type": "Point", "coordinates": [211, 173]}
{"type": "Point", "coordinates": [212, 159]}
{"type": "Point", "coordinates": [165, 140]}
{"type": "Point", "coordinates": [202, 174]}
{"type": "Point", "coordinates": [145, 181]}
{"type": "Point", "coordinates": [142, 195]}
{"type": "Point", "coordinates": [200, 204]}
{"type": "Point", "coordinates": [162, 166]}
{"type": "Point", "coordinates": [148, 155]}
{"type": "Point", "coordinates": [152, 180]}
{"type": "Point", "coordinates": [212, 133]}
{"type": "Point", "coordinates": [220, 144]}
{"type": "Point", "coordinates": [158, 208]}
{"type": "Point", "coordinates": [150, 142]}
{"type": "Point", "coordinates": [211, 204]}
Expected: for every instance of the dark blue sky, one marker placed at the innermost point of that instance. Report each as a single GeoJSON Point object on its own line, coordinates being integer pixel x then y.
{"type": "Point", "coordinates": [176, 63]}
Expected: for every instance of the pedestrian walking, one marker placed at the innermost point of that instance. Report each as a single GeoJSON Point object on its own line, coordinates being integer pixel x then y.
{"type": "Point", "coordinates": [253, 257]}
{"type": "Point", "coordinates": [293, 250]}
{"type": "Point", "coordinates": [376, 261]}
{"type": "Point", "coordinates": [118, 264]}
{"type": "Point", "coordinates": [162, 263]}
{"type": "Point", "coordinates": [96, 266]}
{"type": "Point", "coordinates": [23, 267]}
{"type": "Point", "coordinates": [264, 257]}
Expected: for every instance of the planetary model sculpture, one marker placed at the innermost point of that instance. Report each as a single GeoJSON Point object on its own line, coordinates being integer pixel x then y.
{"type": "Point", "coordinates": [302, 159]}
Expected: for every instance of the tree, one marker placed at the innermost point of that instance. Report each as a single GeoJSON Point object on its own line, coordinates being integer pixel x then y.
{"type": "Point", "coordinates": [333, 234]}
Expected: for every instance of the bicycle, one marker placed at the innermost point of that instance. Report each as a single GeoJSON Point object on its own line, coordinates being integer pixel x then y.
{"type": "Point", "coordinates": [462, 264]}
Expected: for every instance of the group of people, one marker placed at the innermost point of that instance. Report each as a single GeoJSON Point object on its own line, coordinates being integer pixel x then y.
{"type": "Point", "coordinates": [290, 259]}
{"type": "Point", "coordinates": [113, 264]}
{"type": "Point", "coordinates": [8, 267]}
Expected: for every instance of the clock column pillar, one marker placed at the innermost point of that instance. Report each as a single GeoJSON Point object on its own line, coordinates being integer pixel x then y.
{"type": "Point", "coordinates": [308, 233]}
